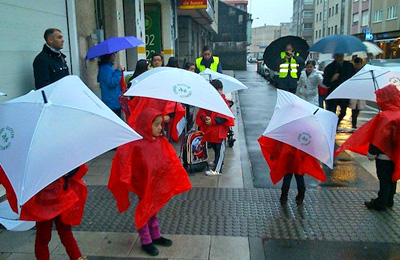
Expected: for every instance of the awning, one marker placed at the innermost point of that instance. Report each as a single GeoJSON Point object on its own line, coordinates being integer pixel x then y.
{"type": "Point", "coordinates": [387, 40]}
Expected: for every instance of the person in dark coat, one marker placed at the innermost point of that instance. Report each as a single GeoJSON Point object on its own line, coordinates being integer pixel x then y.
{"type": "Point", "coordinates": [337, 72]}
{"type": "Point", "coordinates": [50, 65]}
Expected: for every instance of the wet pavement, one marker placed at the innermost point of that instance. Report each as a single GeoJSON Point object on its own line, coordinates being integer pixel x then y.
{"type": "Point", "coordinates": [238, 215]}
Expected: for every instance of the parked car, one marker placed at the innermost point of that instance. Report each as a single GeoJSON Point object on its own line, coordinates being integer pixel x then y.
{"type": "Point", "coordinates": [385, 62]}
{"type": "Point", "coordinates": [252, 60]}
{"type": "Point", "coordinates": [322, 64]}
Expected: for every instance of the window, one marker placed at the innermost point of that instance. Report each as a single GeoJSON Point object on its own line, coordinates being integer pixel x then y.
{"type": "Point", "coordinates": [377, 16]}
{"type": "Point", "coordinates": [337, 9]}
{"type": "Point", "coordinates": [316, 18]}
{"type": "Point", "coordinates": [364, 18]}
{"type": "Point", "coordinates": [316, 34]}
{"type": "Point", "coordinates": [307, 26]}
{"type": "Point", "coordinates": [336, 29]}
{"type": "Point", "coordinates": [392, 12]}
{"type": "Point", "coordinates": [320, 16]}
{"type": "Point", "coordinates": [319, 33]}
{"type": "Point", "coordinates": [308, 13]}
{"type": "Point", "coordinates": [355, 18]}
{"type": "Point", "coordinates": [308, 2]}
{"type": "Point", "coordinates": [329, 30]}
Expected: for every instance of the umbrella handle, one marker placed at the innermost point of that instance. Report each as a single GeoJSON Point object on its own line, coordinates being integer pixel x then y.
{"type": "Point", "coordinates": [44, 97]}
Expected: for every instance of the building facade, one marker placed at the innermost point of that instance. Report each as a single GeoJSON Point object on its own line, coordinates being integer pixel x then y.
{"type": "Point", "coordinates": [239, 4]}
{"type": "Point", "coordinates": [385, 26]}
{"type": "Point", "coordinates": [303, 20]}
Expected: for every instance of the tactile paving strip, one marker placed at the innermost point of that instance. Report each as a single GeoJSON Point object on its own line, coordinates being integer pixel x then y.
{"type": "Point", "coordinates": [336, 215]}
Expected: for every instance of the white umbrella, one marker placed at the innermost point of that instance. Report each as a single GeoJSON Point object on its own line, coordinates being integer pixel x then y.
{"type": "Point", "coordinates": [180, 86]}
{"type": "Point", "coordinates": [230, 83]}
{"type": "Point", "coordinates": [373, 48]}
{"type": "Point", "coordinates": [3, 94]}
{"type": "Point", "coordinates": [304, 126]}
{"type": "Point", "coordinates": [48, 132]}
{"type": "Point", "coordinates": [10, 220]}
{"type": "Point", "coordinates": [365, 82]}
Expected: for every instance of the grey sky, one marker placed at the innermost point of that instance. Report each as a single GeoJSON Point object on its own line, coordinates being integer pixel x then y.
{"type": "Point", "coordinates": [270, 12]}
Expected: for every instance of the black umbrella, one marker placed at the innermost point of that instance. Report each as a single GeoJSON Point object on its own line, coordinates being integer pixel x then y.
{"type": "Point", "coordinates": [273, 51]}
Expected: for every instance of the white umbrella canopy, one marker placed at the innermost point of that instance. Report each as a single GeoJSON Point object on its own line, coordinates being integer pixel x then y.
{"type": "Point", "coordinates": [303, 125]}
{"type": "Point", "coordinates": [365, 82]}
{"type": "Point", "coordinates": [40, 142]}
{"type": "Point", "coordinates": [10, 220]}
{"type": "Point", "coordinates": [180, 86]}
{"type": "Point", "coordinates": [230, 83]}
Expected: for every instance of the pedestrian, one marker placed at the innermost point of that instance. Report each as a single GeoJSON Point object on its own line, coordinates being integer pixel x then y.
{"type": "Point", "coordinates": [142, 66]}
{"type": "Point", "coordinates": [189, 66]}
{"type": "Point", "coordinates": [50, 64]}
{"type": "Point", "coordinates": [215, 127]}
{"type": "Point", "coordinates": [379, 139]}
{"type": "Point", "coordinates": [150, 169]}
{"type": "Point", "coordinates": [308, 83]}
{"type": "Point", "coordinates": [62, 202]}
{"type": "Point", "coordinates": [290, 67]}
{"type": "Point", "coordinates": [207, 60]}
{"type": "Point", "coordinates": [110, 81]}
{"type": "Point", "coordinates": [285, 161]}
{"type": "Point", "coordinates": [356, 104]}
{"type": "Point", "coordinates": [173, 62]}
{"type": "Point", "coordinates": [337, 72]}
{"type": "Point", "coordinates": [157, 60]}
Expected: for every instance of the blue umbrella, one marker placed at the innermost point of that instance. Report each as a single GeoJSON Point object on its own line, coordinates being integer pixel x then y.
{"type": "Point", "coordinates": [112, 45]}
{"type": "Point", "coordinates": [338, 44]}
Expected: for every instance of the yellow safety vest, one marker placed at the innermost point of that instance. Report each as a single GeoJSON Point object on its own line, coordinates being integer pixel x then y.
{"type": "Point", "coordinates": [213, 66]}
{"type": "Point", "coordinates": [285, 67]}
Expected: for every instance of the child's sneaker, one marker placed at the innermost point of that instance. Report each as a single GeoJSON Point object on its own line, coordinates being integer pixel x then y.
{"type": "Point", "coordinates": [212, 173]}
{"type": "Point", "coordinates": [162, 241]}
{"type": "Point", "coordinates": [150, 249]}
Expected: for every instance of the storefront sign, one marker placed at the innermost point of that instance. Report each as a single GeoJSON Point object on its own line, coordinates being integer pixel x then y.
{"type": "Point", "coordinates": [153, 29]}
{"type": "Point", "coordinates": [192, 4]}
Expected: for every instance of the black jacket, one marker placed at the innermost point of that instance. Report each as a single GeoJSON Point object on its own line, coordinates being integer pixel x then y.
{"type": "Point", "coordinates": [346, 71]}
{"type": "Point", "coordinates": [48, 67]}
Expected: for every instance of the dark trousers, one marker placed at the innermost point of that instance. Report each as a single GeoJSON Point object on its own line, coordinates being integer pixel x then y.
{"type": "Point", "coordinates": [43, 237]}
{"type": "Point", "coordinates": [387, 188]}
{"type": "Point", "coordinates": [354, 116]}
{"type": "Point", "coordinates": [332, 104]}
{"type": "Point", "coordinates": [219, 151]}
{"type": "Point", "coordinates": [299, 180]}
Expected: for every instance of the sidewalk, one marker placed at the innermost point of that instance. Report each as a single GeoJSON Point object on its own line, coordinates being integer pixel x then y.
{"type": "Point", "coordinates": [126, 245]}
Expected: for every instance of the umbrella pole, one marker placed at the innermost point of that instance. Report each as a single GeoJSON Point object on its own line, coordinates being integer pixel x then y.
{"type": "Point", "coordinates": [376, 87]}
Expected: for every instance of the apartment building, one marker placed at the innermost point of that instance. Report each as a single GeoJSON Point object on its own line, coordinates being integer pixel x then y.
{"type": "Point", "coordinates": [303, 20]}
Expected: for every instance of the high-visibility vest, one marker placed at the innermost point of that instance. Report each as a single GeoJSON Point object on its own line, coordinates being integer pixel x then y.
{"type": "Point", "coordinates": [213, 66]}
{"type": "Point", "coordinates": [285, 67]}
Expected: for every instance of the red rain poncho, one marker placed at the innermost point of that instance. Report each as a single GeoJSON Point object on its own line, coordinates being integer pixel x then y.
{"type": "Point", "coordinates": [138, 104]}
{"type": "Point", "coordinates": [53, 200]}
{"type": "Point", "coordinates": [383, 130]}
{"type": "Point", "coordinates": [149, 168]}
{"type": "Point", "coordinates": [283, 159]}
{"type": "Point", "coordinates": [214, 133]}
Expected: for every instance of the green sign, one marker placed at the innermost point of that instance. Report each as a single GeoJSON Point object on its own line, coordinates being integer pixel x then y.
{"type": "Point", "coordinates": [152, 16]}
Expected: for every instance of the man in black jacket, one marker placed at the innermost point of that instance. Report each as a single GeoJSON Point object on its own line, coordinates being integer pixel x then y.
{"type": "Point", "coordinates": [50, 65]}
{"type": "Point", "coordinates": [335, 74]}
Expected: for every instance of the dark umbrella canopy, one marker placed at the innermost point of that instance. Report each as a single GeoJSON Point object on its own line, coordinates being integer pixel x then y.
{"type": "Point", "coordinates": [112, 45]}
{"type": "Point", "coordinates": [338, 44]}
{"type": "Point", "coordinates": [273, 51]}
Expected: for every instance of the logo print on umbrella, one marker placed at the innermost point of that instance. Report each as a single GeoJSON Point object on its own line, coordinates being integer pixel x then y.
{"type": "Point", "coordinates": [6, 134]}
{"type": "Point", "coordinates": [304, 139]}
{"type": "Point", "coordinates": [182, 90]}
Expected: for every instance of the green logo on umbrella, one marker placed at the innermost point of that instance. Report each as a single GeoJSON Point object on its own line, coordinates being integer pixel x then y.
{"type": "Point", "coordinates": [304, 139]}
{"type": "Point", "coordinates": [6, 134]}
{"type": "Point", "coordinates": [182, 90]}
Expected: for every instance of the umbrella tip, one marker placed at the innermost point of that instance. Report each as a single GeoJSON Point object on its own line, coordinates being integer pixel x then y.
{"type": "Point", "coordinates": [44, 97]}
{"type": "Point", "coordinates": [316, 111]}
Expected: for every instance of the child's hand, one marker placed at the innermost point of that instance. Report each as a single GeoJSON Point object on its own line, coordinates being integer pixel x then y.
{"type": "Point", "coordinates": [208, 120]}
{"type": "Point", "coordinates": [167, 119]}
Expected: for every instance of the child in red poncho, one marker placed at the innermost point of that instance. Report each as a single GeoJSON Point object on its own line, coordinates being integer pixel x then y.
{"type": "Point", "coordinates": [151, 169]}
{"type": "Point", "coordinates": [379, 139]}
{"type": "Point", "coordinates": [61, 202]}
{"type": "Point", "coordinates": [215, 127]}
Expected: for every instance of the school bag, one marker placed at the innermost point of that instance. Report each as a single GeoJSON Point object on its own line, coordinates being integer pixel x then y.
{"type": "Point", "coordinates": [194, 152]}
